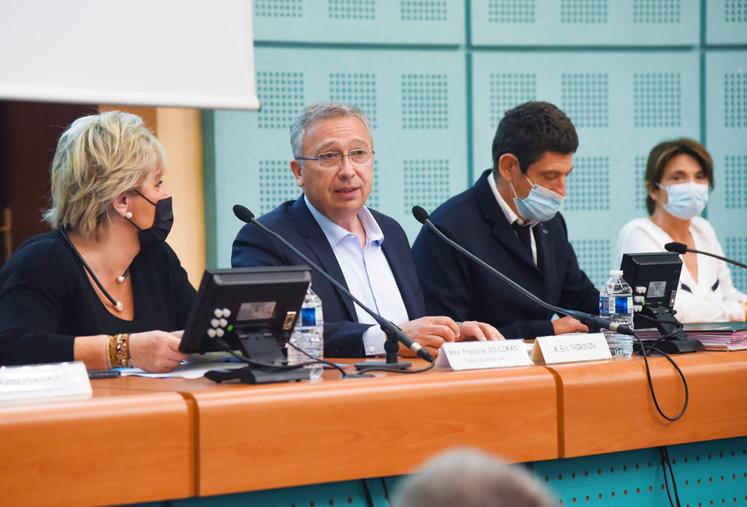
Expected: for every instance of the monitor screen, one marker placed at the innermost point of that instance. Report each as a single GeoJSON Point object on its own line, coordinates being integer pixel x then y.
{"type": "Point", "coordinates": [654, 278]}
{"type": "Point", "coordinates": [257, 301]}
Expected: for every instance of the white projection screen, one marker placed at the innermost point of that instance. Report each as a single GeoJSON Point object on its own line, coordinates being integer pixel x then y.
{"type": "Point", "coordinates": [170, 53]}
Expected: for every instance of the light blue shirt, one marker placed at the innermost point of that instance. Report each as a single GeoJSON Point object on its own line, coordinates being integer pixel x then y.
{"type": "Point", "coordinates": [367, 274]}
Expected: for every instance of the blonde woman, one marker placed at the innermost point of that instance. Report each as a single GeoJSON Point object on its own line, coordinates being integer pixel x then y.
{"type": "Point", "coordinates": [679, 177]}
{"type": "Point", "coordinates": [103, 287]}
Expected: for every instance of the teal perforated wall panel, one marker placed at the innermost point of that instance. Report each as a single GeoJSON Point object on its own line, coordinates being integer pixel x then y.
{"type": "Point", "coordinates": [726, 136]}
{"type": "Point", "coordinates": [726, 21]}
{"type": "Point", "coordinates": [585, 22]}
{"type": "Point", "coordinates": [414, 99]}
{"type": "Point", "coordinates": [360, 21]}
{"type": "Point", "coordinates": [436, 76]}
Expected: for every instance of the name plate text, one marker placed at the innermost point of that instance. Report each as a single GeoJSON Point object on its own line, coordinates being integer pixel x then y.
{"type": "Point", "coordinates": [570, 348]}
{"type": "Point", "coordinates": [481, 355]}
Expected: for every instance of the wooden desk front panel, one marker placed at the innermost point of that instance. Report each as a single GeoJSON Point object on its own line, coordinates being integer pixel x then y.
{"type": "Point", "coordinates": [117, 447]}
{"type": "Point", "coordinates": [607, 406]}
{"type": "Point", "coordinates": [253, 438]}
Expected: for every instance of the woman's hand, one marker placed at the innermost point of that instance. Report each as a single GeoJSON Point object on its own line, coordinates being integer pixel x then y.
{"type": "Point", "coordinates": [155, 351]}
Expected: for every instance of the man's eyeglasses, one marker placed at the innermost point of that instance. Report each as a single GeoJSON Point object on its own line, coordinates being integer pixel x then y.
{"type": "Point", "coordinates": [334, 158]}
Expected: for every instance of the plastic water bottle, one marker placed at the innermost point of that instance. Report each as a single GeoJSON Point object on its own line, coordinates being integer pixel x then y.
{"type": "Point", "coordinates": [616, 304]}
{"type": "Point", "coordinates": [308, 335]}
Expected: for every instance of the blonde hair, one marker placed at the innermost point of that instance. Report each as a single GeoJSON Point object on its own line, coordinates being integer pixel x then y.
{"type": "Point", "coordinates": [98, 158]}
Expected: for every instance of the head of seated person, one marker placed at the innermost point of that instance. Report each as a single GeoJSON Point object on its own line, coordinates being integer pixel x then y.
{"type": "Point", "coordinates": [470, 478]}
{"type": "Point", "coordinates": [107, 179]}
{"type": "Point", "coordinates": [679, 176]}
{"type": "Point", "coordinates": [532, 152]}
{"type": "Point", "coordinates": [333, 161]}
{"type": "Point", "coordinates": [110, 216]}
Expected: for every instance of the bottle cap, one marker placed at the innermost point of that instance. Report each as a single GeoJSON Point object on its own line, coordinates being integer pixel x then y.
{"type": "Point", "coordinates": [616, 272]}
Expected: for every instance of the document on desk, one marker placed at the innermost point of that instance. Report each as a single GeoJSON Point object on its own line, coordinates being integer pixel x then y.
{"type": "Point", "coordinates": [482, 355]}
{"type": "Point", "coordinates": [185, 370]}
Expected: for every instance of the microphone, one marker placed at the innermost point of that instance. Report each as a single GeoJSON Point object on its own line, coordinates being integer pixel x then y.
{"type": "Point", "coordinates": [682, 248]}
{"type": "Point", "coordinates": [389, 328]}
{"type": "Point", "coordinates": [422, 216]}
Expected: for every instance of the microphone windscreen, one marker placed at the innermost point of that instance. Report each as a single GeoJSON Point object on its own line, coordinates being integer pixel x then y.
{"type": "Point", "coordinates": [675, 247]}
{"type": "Point", "coordinates": [420, 214]}
{"type": "Point", "coordinates": [243, 213]}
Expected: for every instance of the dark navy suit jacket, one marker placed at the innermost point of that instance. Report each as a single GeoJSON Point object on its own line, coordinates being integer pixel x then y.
{"type": "Point", "coordinates": [293, 220]}
{"type": "Point", "coordinates": [455, 286]}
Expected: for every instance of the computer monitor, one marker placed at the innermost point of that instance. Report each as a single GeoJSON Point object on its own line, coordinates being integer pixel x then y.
{"type": "Point", "coordinates": [654, 278]}
{"type": "Point", "coordinates": [252, 310]}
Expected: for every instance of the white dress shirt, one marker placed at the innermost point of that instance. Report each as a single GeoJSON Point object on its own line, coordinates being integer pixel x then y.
{"type": "Point", "coordinates": [367, 274]}
{"type": "Point", "coordinates": [702, 303]}
{"type": "Point", "coordinates": [513, 217]}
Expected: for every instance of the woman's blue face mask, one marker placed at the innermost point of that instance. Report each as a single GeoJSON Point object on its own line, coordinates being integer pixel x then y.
{"type": "Point", "coordinates": [685, 200]}
{"type": "Point", "coordinates": [540, 205]}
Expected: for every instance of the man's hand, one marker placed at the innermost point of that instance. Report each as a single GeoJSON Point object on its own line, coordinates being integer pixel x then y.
{"type": "Point", "coordinates": [568, 325]}
{"type": "Point", "coordinates": [472, 330]}
{"type": "Point", "coordinates": [430, 333]}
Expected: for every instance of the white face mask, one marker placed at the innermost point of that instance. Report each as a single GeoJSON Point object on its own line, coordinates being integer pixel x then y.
{"type": "Point", "coordinates": [685, 200]}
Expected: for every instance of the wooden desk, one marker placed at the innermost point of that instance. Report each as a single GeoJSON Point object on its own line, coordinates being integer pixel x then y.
{"type": "Point", "coordinates": [118, 447]}
{"type": "Point", "coordinates": [183, 438]}
{"type": "Point", "coordinates": [607, 407]}
{"type": "Point", "coordinates": [261, 437]}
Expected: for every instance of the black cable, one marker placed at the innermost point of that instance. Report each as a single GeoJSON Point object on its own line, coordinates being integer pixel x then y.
{"type": "Point", "coordinates": [386, 489]}
{"type": "Point", "coordinates": [651, 384]}
{"type": "Point", "coordinates": [666, 466]}
{"type": "Point", "coordinates": [367, 492]}
{"type": "Point", "coordinates": [666, 336]}
{"type": "Point", "coordinates": [318, 360]}
{"type": "Point", "coordinates": [280, 367]}
{"type": "Point", "coordinates": [396, 370]}
{"type": "Point", "coordinates": [662, 462]}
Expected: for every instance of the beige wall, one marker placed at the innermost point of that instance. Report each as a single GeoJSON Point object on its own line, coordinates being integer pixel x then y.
{"type": "Point", "coordinates": [180, 132]}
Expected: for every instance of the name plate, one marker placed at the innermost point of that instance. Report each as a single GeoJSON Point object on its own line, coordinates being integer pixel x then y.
{"type": "Point", "coordinates": [29, 383]}
{"type": "Point", "coordinates": [570, 348]}
{"type": "Point", "coordinates": [480, 355]}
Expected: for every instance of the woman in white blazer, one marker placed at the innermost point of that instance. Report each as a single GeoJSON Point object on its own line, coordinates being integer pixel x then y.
{"type": "Point", "coordinates": [679, 176]}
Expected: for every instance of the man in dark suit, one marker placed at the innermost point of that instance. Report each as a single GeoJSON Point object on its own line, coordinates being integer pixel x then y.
{"type": "Point", "coordinates": [510, 219]}
{"type": "Point", "coordinates": [364, 250]}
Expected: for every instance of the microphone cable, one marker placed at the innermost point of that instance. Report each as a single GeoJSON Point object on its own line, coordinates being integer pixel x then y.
{"type": "Point", "coordinates": [404, 372]}
{"type": "Point", "coordinates": [666, 466]}
{"type": "Point", "coordinates": [278, 367]}
{"type": "Point", "coordinates": [649, 379]}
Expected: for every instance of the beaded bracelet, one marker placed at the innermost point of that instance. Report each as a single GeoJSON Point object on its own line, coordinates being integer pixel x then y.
{"type": "Point", "coordinates": [119, 350]}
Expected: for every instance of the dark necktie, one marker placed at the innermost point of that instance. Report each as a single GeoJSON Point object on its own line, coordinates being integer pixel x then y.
{"type": "Point", "coordinates": [523, 232]}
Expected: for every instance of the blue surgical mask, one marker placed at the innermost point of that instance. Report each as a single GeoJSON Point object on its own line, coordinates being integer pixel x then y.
{"type": "Point", "coordinates": [540, 205]}
{"type": "Point", "coordinates": [685, 200]}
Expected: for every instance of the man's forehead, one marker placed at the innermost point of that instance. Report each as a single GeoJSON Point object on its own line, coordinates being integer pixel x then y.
{"type": "Point", "coordinates": [552, 161]}
{"type": "Point", "coordinates": [338, 125]}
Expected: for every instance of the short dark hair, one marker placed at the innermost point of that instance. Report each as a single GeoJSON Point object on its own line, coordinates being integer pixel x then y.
{"type": "Point", "coordinates": [529, 130]}
{"type": "Point", "coordinates": [665, 151]}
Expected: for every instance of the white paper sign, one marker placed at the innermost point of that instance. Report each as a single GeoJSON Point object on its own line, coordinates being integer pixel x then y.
{"type": "Point", "coordinates": [26, 383]}
{"type": "Point", "coordinates": [569, 348]}
{"type": "Point", "coordinates": [487, 354]}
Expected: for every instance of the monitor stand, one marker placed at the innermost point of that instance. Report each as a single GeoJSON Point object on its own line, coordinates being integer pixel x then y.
{"type": "Point", "coordinates": [667, 324]}
{"type": "Point", "coordinates": [262, 347]}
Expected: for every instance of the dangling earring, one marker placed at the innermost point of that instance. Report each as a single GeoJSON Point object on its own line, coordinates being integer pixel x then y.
{"type": "Point", "coordinates": [128, 215]}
